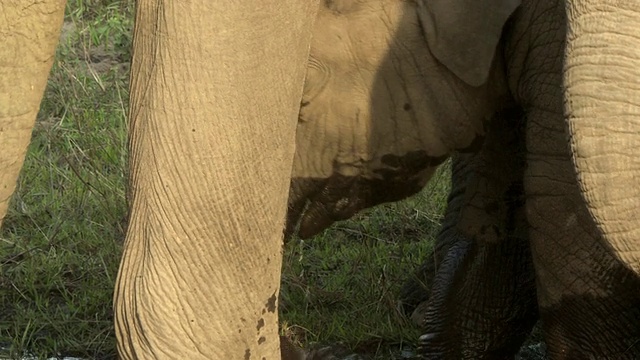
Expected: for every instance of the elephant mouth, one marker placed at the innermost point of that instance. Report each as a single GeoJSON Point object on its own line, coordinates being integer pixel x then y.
{"type": "Point", "coordinates": [316, 203]}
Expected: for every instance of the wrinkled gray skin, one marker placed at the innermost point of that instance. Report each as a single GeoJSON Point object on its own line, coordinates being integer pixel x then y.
{"type": "Point", "coordinates": [487, 288]}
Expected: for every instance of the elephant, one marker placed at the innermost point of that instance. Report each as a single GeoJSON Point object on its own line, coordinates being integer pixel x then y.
{"type": "Point", "coordinates": [483, 293]}
{"type": "Point", "coordinates": [253, 117]}
{"type": "Point", "coordinates": [523, 240]}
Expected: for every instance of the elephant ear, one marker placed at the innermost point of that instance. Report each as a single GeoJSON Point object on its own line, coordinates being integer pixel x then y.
{"type": "Point", "coordinates": [463, 34]}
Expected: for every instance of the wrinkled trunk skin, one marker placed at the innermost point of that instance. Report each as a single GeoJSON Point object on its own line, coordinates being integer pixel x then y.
{"type": "Point", "coordinates": [603, 110]}
{"type": "Point", "coordinates": [588, 299]}
{"type": "Point", "coordinates": [482, 304]}
{"type": "Point", "coordinates": [418, 287]}
{"type": "Point", "coordinates": [215, 92]}
{"type": "Point", "coordinates": [28, 38]}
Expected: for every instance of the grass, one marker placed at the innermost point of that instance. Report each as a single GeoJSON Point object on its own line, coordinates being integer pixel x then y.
{"type": "Point", "coordinates": [343, 285]}
{"type": "Point", "coordinates": [61, 240]}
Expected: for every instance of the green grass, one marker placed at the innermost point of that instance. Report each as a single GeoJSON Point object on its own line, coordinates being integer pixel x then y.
{"type": "Point", "coordinates": [343, 285]}
{"type": "Point", "coordinates": [61, 240]}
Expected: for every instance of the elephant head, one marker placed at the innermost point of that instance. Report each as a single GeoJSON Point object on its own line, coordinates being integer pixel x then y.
{"type": "Point", "coordinates": [392, 89]}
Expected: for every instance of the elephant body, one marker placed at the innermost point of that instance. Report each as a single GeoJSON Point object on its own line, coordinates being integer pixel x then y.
{"type": "Point", "coordinates": [349, 104]}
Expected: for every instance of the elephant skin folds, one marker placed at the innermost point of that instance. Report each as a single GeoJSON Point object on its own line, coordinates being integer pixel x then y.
{"type": "Point", "coordinates": [588, 297]}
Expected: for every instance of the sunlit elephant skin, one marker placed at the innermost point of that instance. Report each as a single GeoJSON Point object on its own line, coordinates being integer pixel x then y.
{"type": "Point", "coordinates": [377, 113]}
{"type": "Point", "coordinates": [381, 92]}
{"type": "Point", "coordinates": [200, 273]}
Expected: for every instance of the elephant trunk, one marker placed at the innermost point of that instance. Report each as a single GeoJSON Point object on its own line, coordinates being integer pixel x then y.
{"type": "Point", "coordinates": [602, 108]}
{"type": "Point", "coordinates": [436, 340]}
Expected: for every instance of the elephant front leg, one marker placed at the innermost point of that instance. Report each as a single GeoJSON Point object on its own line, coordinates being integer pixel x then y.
{"type": "Point", "coordinates": [482, 304]}
{"type": "Point", "coordinates": [28, 38]}
{"type": "Point", "coordinates": [589, 300]}
{"type": "Point", "coordinates": [215, 91]}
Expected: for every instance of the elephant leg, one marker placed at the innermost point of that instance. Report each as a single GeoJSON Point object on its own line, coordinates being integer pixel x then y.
{"type": "Point", "coordinates": [602, 108]}
{"type": "Point", "coordinates": [29, 34]}
{"type": "Point", "coordinates": [482, 304]}
{"type": "Point", "coordinates": [215, 94]}
{"type": "Point", "coordinates": [601, 100]}
{"type": "Point", "coordinates": [589, 300]}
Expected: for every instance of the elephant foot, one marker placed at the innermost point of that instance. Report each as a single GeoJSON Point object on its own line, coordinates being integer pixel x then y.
{"type": "Point", "coordinates": [536, 351]}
